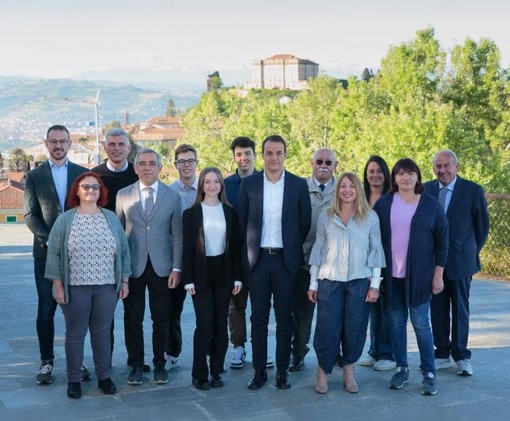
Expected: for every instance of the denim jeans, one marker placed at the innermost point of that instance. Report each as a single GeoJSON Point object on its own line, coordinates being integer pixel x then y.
{"type": "Point", "coordinates": [421, 325]}
{"type": "Point", "coordinates": [342, 321]}
{"type": "Point", "coordinates": [380, 332]}
{"type": "Point", "coordinates": [46, 307]}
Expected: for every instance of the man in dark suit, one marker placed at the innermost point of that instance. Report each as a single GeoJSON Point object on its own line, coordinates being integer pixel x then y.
{"type": "Point", "coordinates": [466, 209]}
{"type": "Point", "coordinates": [45, 199]}
{"type": "Point", "coordinates": [275, 216]}
{"type": "Point", "coordinates": [116, 172]}
{"type": "Point", "coordinates": [151, 213]}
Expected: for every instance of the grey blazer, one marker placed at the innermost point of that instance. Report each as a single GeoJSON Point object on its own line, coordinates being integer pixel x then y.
{"type": "Point", "coordinates": [160, 237]}
{"type": "Point", "coordinates": [41, 203]}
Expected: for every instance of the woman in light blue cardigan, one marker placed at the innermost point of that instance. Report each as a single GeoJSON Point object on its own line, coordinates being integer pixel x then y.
{"type": "Point", "coordinates": [89, 264]}
{"type": "Point", "coordinates": [346, 263]}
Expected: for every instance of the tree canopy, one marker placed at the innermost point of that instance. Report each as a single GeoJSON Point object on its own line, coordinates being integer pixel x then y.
{"type": "Point", "coordinates": [421, 100]}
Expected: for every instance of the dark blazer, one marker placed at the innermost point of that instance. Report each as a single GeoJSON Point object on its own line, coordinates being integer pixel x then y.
{"type": "Point", "coordinates": [428, 247]}
{"type": "Point", "coordinates": [296, 219]}
{"type": "Point", "coordinates": [160, 237]}
{"type": "Point", "coordinates": [41, 203]}
{"type": "Point", "coordinates": [194, 263]}
{"type": "Point", "coordinates": [468, 227]}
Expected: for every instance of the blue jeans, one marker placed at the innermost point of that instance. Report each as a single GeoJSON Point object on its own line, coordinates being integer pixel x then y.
{"type": "Point", "coordinates": [421, 325]}
{"type": "Point", "coordinates": [380, 332]}
{"type": "Point", "coordinates": [342, 321]}
{"type": "Point", "coordinates": [46, 307]}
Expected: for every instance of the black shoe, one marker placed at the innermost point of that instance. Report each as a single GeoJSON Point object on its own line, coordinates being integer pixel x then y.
{"type": "Point", "coordinates": [107, 386]}
{"type": "Point", "coordinates": [282, 379]}
{"type": "Point", "coordinates": [85, 373]}
{"type": "Point", "coordinates": [160, 373]}
{"type": "Point", "coordinates": [216, 381]}
{"type": "Point", "coordinates": [74, 390]}
{"type": "Point", "coordinates": [296, 364]}
{"type": "Point", "coordinates": [201, 384]}
{"type": "Point", "coordinates": [136, 375]}
{"type": "Point", "coordinates": [258, 379]}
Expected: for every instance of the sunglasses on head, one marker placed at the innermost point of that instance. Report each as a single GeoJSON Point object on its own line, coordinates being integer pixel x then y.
{"type": "Point", "coordinates": [321, 161]}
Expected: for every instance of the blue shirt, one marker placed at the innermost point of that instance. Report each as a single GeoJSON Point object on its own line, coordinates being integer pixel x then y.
{"type": "Point", "coordinates": [59, 174]}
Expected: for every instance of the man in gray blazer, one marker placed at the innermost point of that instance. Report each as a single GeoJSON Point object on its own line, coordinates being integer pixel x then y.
{"type": "Point", "coordinates": [45, 199]}
{"type": "Point", "coordinates": [152, 215]}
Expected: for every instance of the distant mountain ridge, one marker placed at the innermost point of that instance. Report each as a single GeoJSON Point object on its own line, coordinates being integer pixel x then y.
{"type": "Point", "coordinates": [29, 106]}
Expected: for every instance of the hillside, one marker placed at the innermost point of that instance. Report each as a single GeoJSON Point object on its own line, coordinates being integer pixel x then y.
{"type": "Point", "coordinates": [29, 106]}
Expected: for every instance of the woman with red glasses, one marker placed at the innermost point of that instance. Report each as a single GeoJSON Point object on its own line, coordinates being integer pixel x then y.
{"type": "Point", "coordinates": [89, 264]}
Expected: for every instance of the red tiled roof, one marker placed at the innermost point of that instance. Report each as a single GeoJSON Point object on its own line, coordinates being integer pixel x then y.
{"type": "Point", "coordinates": [11, 195]}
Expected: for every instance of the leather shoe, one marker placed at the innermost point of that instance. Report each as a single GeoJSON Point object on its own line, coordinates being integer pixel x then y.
{"type": "Point", "coordinates": [74, 390]}
{"type": "Point", "coordinates": [258, 379]}
{"type": "Point", "coordinates": [107, 386]}
{"type": "Point", "coordinates": [201, 384]}
{"type": "Point", "coordinates": [296, 364]}
{"type": "Point", "coordinates": [282, 379]}
{"type": "Point", "coordinates": [216, 381]}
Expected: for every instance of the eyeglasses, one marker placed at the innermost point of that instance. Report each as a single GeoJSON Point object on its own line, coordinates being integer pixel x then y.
{"type": "Point", "coordinates": [444, 166]}
{"type": "Point", "coordinates": [87, 187]}
{"type": "Point", "coordinates": [321, 161]}
{"type": "Point", "coordinates": [57, 142]}
{"type": "Point", "coordinates": [183, 162]}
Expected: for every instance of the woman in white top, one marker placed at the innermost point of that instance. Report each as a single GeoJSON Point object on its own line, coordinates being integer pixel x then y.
{"type": "Point", "coordinates": [211, 274]}
{"type": "Point", "coordinates": [346, 263]}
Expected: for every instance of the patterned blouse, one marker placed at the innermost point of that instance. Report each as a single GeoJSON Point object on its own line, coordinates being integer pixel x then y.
{"type": "Point", "coordinates": [91, 249]}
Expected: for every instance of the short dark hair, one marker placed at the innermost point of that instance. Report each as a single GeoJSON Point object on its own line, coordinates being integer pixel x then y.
{"type": "Point", "coordinates": [274, 138]}
{"type": "Point", "coordinates": [386, 172]}
{"type": "Point", "coordinates": [407, 165]}
{"type": "Point", "coordinates": [57, 127]}
{"type": "Point", "coordinates": [183, 149]}
{"type": "Point", "coordinates": [242, 142]}
{"type": "Point", "coordinates": [73, 200]}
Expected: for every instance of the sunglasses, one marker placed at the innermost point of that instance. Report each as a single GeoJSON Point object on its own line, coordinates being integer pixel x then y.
{"type": "Point", "coordinates": [321, 161]}
{"type": "Point", "coordinates": [87, 187]}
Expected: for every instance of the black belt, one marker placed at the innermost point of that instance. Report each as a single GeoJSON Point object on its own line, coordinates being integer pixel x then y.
{"type": "Point", "coordinates": [271, 250]}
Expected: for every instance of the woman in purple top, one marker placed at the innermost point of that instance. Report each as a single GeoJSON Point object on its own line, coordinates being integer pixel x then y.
{"type": "Point", "coordinates": [414, 232]}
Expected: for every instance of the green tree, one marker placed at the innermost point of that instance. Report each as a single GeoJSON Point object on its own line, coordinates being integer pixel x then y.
{"type": "Point", "coordinates": [170, 108]}
{"type": "Point", "coordinates": [19, 161]}
{"type": "Point", "coordinates": [214, 81]}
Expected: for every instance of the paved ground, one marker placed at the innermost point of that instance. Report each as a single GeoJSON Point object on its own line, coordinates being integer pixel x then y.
{"type": "Point", "coordinates": [483, 396]}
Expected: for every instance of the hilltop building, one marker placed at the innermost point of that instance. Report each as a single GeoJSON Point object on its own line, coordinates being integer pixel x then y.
{"type": "Point", "coordinates": [282, 71]}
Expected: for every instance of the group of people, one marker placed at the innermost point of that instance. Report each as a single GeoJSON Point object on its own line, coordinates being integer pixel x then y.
{"type": "Point", "coordinates": [380, 249]}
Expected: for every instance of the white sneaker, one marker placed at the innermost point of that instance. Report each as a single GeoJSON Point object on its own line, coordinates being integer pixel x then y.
{"type": "Point", "coordinates": [172, 362]}
{"type": "Point", "coordinates": [269, 363]}
{"type": "Point", "coordinates": [238, 358]}
{"type": "Point", "coordinates": [464, 368]}
{"type": "Point", "coordinates": [368, 361]}
{"type": "Point", "coordinates": [384, 365]}
{"type": "Point", "coordinates": [443, 363]}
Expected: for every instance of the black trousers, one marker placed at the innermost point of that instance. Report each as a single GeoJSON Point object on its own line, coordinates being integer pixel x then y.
{"type": "Point", "coordinates": [302, 315]}
{"type": "Point", "coordinates": [211, 302]}
{"type": "Point", "coordinates": [271, 277]}
{"type": "Point", "coordinates": [449, 314]}
{"type": "Point", "coordinates": [177, 298]}
{"type": "Point", "coordinates": [134, 310]}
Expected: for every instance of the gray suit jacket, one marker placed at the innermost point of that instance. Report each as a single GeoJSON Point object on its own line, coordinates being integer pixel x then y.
{"type": "Point", "coordinates": [41, 203]}
{"type": "Point", "coordinates": [160, 237]}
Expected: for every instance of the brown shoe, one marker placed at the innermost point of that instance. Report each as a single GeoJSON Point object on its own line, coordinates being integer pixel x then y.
{"type": "Point", "coordinates": [349, 381]}
{"type": "Point", "coordinates": [321, 384]}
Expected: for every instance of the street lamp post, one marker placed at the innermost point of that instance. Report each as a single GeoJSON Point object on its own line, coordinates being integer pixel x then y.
{"type": "Point", "coordinates": [96, 112]}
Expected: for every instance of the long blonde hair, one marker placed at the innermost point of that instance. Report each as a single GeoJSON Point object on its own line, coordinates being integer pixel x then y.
{"type": "Point", "coordinates": [361, 206]}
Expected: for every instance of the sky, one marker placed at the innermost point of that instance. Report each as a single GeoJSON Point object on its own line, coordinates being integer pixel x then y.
{"type": "Point", "coordinates": [64, 38]}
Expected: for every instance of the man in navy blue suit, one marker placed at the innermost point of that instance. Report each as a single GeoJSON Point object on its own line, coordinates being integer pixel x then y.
{"type": "Point", "coordinates": [466, 209]}
{"type": "Point", "coordinates": [275, 216]}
